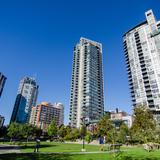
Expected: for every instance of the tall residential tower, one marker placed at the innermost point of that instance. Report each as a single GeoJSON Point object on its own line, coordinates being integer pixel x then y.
{"type": "Point", "coordinates": [87, 101]}
{"type": "Point", "coordinates": [25, 100]}
{"type": "Point", "coordinates": [142, 54]}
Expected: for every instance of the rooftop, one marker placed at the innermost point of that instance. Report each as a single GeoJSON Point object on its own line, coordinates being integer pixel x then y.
{"type": "Point", "coordinates": [83, 40]}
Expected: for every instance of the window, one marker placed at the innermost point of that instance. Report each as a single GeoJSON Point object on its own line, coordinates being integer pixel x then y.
{"type": "Point", "coordinates": [25, 91]}
{"type": "Point", "coordinates": [27, 87]}
{"type": "Point", "coordinates": [149, 14]}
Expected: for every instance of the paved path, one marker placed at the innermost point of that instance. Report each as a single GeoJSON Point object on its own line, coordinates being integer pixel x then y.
{"type": "Point", "coordinates": [95, 152]}
{"type": "Point", "coordinates": [16, 149]}
{"type": "Point", "coordinates": [9, 149]}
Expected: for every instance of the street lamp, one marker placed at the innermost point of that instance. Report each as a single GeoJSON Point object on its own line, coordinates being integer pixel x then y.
{"type": "Point", "coordinates": [84, 127]}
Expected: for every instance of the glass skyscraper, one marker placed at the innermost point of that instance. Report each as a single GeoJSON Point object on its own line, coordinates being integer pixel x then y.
{"type": "Point", "coordinates": [2, 82]}
{"type": "Point", "coordinates": [86, 101]}
{"type": "Point", "coordinates": [25, 100]}
{"type": "Point", "coordinates": [142, 54]}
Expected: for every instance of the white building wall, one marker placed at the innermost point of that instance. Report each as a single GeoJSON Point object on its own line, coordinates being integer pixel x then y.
{"type": "Point", "coordinates": [141, 45]}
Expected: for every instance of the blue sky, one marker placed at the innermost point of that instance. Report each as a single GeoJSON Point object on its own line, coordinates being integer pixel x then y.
{"type": "Point", "coordinates": [37, 39]}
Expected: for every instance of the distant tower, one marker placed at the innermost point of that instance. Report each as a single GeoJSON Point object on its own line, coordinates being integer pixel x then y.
{"type": "Point", "coordinates": [87, 101]}
{"type": "Point", "coordinates": [26, 99]}
{"type": "Point", "coordinates": [142, 53]}
{"type": "Point", "coordinates": [2, 82]}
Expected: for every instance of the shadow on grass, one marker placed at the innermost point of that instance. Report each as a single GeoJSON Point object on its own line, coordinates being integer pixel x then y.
{"type": "Point", "coordinates": [41, 146]}
{"type": "Point", "coordinates": [40, 156]}
{"type": "Point", "coordinates": [31, 156]}
{"type": "Point", "coordinates": [8, 147]}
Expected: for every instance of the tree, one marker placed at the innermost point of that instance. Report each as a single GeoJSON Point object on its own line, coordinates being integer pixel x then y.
{"type": "Point", "coordinates": [68, 133]}
{"type": "Point", "coordinates": [123, 133]}
{"type": "Point", "coordinates": [75, 133]}
{"type": "Point", "coordinates": [88, 137]}
{"type": "Point", "coordinates": [157, 134]}
{"type": "Point", "coordinates": [62, 131]}
{"type": "Point", "coordinates": [143, 126]}
{"type": "Point", "coordinates": [14, 130]}
{"type": "Point", "coordinates": [37, 132]}
{"type": "Point", "coordinates": [72, 134]}
{"type": "Point", "coordinates": [68, 129]}
{"type": "Point", "coordinates": [104, 126]}
{"type": "Point", "coordinates": [52, 129]}
{"type": "Point", "coordinates": [28, 131]}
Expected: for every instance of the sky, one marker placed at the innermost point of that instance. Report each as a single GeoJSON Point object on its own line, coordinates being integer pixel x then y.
{"type": "Point", "coordinates": [37, 38]}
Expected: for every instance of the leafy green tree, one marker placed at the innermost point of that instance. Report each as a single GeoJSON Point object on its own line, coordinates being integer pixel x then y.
{"type": "Point", "coordinates": [68, 129]}
{"type": "Point", "coordinates": [123, 133]}
{"type": "Point", "coordinates": [62, 131]}
{"type": "Point", "coordinates": [72, 134]}
{"type": "Point", "coordinates": [52, 129]}
{"type": "Point", "coordinates": [75, 133]}
{"type": "Point", "coordinates": [143, 126]}
{"type": "Point", "coordinates": [157, 134]}
{"type": "Point", "coordinates": [104, 126]}
{"type": "Point", "coordinates": [14, 130]}
{"type": "Point", "coordinates": [88, 137]}
{"type": "Point", "coordinates": [28, 131]}
{"type": "Point", "coordinates": [112, 135]}
{"type": "Point", "coordinates": [37, 132]}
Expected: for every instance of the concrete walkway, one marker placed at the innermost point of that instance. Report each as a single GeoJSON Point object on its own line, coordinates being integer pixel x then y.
{"type": "Point", "coordinates": [72, 153]}
{"type": "Point", "coordinates": [9, 149]}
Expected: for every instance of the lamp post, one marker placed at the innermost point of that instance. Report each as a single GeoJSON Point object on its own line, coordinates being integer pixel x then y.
{"type": "Point", "coordinates": [84, 127]}
{"type": "Point", "coordinates": [83, 133]}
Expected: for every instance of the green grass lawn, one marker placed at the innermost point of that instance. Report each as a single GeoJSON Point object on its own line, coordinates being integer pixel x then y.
{"type": "Point", "coordinates": [130, 153]}
{"type": "Point", "coordinates": [59, 147]}
{"type": "Point", "coordinates": [30, 156]}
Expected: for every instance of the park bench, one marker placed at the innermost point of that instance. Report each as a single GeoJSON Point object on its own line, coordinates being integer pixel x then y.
{"type": "Point", "coordinates": [112, 147]}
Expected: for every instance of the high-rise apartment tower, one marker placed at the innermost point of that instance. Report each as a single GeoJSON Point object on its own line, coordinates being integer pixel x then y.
{"type": "Point", "coordinates": [142, 54]}
{"type": "Point", "coordinates": [87, 101]}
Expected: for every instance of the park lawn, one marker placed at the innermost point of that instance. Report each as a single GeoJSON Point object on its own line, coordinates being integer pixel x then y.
{"type": "Point", "coordinates": [52, 156]}
{"type": "Point", "coordinates": [134, 152]}
{"type": "Point", "coordinates": [59, 147]}
{"type": "Point", "coordinates": [140, 153]}
{"type": "Point", "coordinates": [130, 153]}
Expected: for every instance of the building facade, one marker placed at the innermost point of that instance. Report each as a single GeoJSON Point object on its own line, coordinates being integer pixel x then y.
{"type": "Point", "coordinates": [43, 114]}
{"type": "Point", "coordinates": [142, 54]}
{"type": "Point", "coordinates": [60, 111]}
{"type": "Point", "coordinates": [86, 101]}
{"type": "Point", "coordinates": [25, 100]}
{"type": "Point", "coordinates": [2, 82]}
{"type": "Point", "coordinates": [118, 117]}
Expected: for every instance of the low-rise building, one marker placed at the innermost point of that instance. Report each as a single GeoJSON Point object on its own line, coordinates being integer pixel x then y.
{"type": "Point", "coordinates": [43, 114]}
{"type": "Point", "coordinates": [119, 117]}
